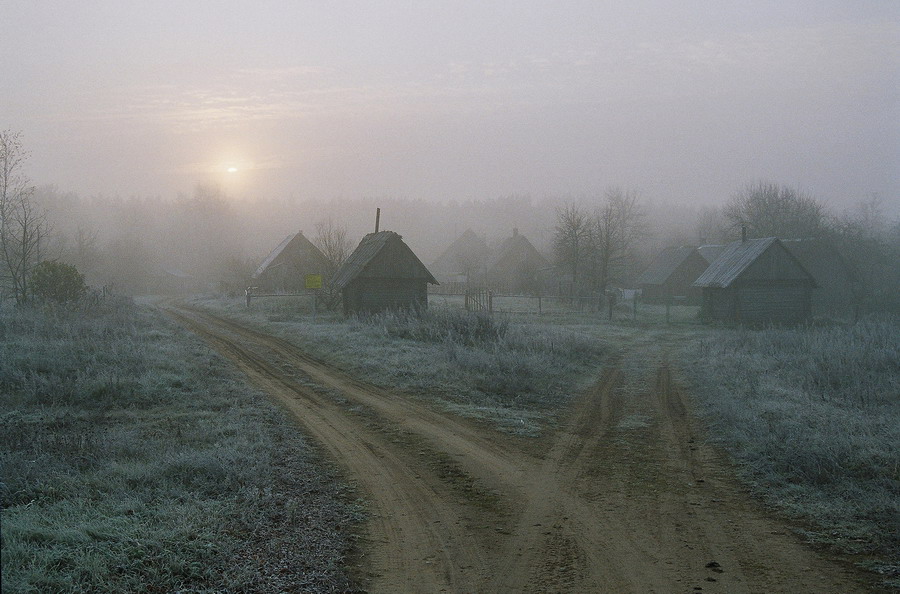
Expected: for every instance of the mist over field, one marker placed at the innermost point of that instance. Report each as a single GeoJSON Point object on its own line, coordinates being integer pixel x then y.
{"type": "Point", "coordinates": [639, 331]}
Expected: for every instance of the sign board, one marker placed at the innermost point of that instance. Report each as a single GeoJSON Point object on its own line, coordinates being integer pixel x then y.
{"type": "Point", "coordinates": [313, 281]}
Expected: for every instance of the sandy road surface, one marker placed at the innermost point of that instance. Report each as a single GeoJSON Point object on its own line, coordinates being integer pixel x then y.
{"type": "Point", "coordinates": [624, 497]}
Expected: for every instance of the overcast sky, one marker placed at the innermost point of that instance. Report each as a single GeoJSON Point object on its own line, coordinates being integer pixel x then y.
{"type": "Point", "coordinates": [684, 101]}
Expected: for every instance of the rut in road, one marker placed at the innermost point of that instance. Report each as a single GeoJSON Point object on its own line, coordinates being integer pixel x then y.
{"type": "Point", "coordinates": [624, 498]}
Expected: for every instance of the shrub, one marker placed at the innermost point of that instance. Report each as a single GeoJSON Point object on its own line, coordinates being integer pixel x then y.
{"type": "Point", "coordinates": [57, 281]}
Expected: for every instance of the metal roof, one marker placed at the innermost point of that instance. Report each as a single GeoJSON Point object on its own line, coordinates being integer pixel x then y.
{"type": "Point", "coordinates": [711, 252]}
{"type": "Point", "coordinates": [274, 254]}
{"type": "Point", "coordinates": [733, 261]}
{"type": "Point", "coordinates": [665, 263]}
{"type": "Point", "coordinates": [366, 251]}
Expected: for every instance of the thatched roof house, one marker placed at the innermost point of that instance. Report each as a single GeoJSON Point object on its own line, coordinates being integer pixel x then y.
{"type": "Point", "coordinates": [516, 267]}
{"type": "Point", "coordinates": [671, 274]}
{"type": "Point", "coordinates": [286, 267]}
{"type": "Point", "coordinates": [465, 260]}
{"type": "Point", "coordinates": [756, 281]}
{"type": "Point", "coordinates": [382, 273]}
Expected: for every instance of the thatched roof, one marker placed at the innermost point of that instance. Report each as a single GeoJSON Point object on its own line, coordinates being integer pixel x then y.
{"type": "Point", "coordinates": [368, 252]}
{"type": "Point", "coordinates": [296, 245]}
{"type": "Point", "coordinates": [665, 263]}
{"type": "Point", "coordinates": [516, 251]}
{"type": "Point", "coordinates": [466, 247]}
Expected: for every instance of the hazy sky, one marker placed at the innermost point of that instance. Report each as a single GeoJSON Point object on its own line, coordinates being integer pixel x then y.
{"type": "Point", "coordinates": [683, 101]}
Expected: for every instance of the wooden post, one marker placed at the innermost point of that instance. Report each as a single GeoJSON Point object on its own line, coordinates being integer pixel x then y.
{"type": "Point", "coordinates": [539, 305]}
{"type": "Point", "coordinates": [377, 218]}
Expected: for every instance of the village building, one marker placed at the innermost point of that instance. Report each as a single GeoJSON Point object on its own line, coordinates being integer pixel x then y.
{"type": "Point", "coordinates": [711, 251]}
{"type": "Point", "coordinates": [517, 266]}
{"type": "Point", "coordinates": [285, 269]}
{"type": "Point", "coordinates": [671, 274]}
{"type": "Point", "coordinates": [756, 281]}
{"type": "Point", "coordinates": [383, 273]}
{"type": "Point", "coordinates": [463, 263]}
{"type": "Point", "coordinates": [838, 287]}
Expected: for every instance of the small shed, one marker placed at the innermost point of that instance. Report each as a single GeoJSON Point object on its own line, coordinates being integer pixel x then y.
{"type": "Point", "coordinates": [756, 281]}
{"type": "Point", "coordinates": [383, 273]}
{"type": "Point", "coordinates": [286, 267]}
{"type": "Point", "coordinates": [516, 267]}
{"type": "Point", "coordinates": [671, 274]}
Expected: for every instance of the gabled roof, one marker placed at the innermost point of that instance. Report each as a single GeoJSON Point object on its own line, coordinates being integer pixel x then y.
{"type": "Point", "coordinates": [711, 252]}
{"type": "Point", "coordinates": [738, 257]}
{"type": "Point", "coordinates": [516, 250]}
{"type": "Point", "coordinates": [366, 253]}
{"type": "Point", "coordinates": [296, 243]}
{"type": "Point", "coordinates": [665, 263]}
{"type": "Point", "coordinates": [466, 245]}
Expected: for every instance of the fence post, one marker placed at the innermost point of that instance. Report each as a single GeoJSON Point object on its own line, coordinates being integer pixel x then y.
{"type": "Point", "coordinates": [540, 311]}
{"type": "Point", "coordinates": [490, 302]}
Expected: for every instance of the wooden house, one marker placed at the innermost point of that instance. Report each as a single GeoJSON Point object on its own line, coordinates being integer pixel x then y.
{"type": "Point", "coordinates": [671, 274]}
{"type": "Point", "coordinates": [837, 285]}
{"type": "Point", "coordinates": [382, 273]}
{"type": "Point", "coordinates": [286, 267]}
{"type": "Point", "coordinates": [756, 281]}
{"type": "Point", "coordinates": [710, 252]}
{"type": "Point", "coordinates": [464, 262]}
{"type": "Point", "coordinates": [516, 268]}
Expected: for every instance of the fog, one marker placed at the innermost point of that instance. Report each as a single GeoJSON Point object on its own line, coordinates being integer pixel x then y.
{"type": "Point", "coordinates": [205, 133]}
{"type": "Point", "coordinates": [440, 102]}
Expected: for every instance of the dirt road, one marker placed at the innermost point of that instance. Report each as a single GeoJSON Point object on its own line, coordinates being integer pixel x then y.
{"type": "Point", "coordinates": [624, 497]}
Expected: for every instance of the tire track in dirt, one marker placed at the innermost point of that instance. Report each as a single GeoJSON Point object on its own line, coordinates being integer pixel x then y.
{"type": "Point", "coordinates": [627, 498]}
{"type": "Point", "coordinates": [421, 543]}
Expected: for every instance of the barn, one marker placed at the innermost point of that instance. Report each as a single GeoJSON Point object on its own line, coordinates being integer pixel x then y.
{"type": "Point", "coordinates": [516, 267]}
{"type": "Point", "coordinates": [286, 267]}
{"type": "Point", "coordinates": [671, 274]}
{"type": "Point", "coordinates": [382, 273]}
{"type": "Point", "coordinates": [756, 281]}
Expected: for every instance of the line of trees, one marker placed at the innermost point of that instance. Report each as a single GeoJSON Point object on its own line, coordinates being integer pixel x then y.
{"type": "Point", "coordinates": [594, 246]}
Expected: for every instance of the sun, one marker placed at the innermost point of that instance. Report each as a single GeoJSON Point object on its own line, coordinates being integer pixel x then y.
{"type": "Point", "coordinates": [232, 170]}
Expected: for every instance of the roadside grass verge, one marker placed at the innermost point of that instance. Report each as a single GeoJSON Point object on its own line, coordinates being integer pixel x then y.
{"type": "Point", "coordinates": [134, 459]}
{"type": "Point", "coordinates": [812, 416]}
{"type": "Point", "coordinates": [513, 372]}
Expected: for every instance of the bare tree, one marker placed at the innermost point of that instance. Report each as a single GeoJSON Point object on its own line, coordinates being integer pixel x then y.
{"type": "Point", "coordinates": [571, 240]}
{"type": "Point", "coordinates": [331, 238]}
{"type": "Point", "coordinates": [614, 230]}
{"type": "Point", "coordinates": [770, 210]}
{"type": "Point", "coordinates": [22, 226]}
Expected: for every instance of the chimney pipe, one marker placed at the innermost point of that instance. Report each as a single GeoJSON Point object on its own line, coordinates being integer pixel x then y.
{"type": "Point", "coordinates": [377, 218]}
{"type": "Point", "coordinates": [743, 233]}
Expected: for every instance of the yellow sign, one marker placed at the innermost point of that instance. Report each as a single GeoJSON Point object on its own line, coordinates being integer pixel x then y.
{"type": "Point", "coordinates": [313, 281]}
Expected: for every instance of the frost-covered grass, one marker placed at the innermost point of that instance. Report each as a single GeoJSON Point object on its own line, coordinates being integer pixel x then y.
{"type": "Point", "coordinates": [812, 415]}
{"type": "Point", "coordinates": [133, 459]}
{"type": "Point", "coordinates": [514, 372]}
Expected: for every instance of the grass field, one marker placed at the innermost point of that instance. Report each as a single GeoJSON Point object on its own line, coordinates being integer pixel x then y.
{"type": "Point", "coordinates": [135, 460]}
{"type": "Point", "coordinates": [812, 416]}
{"type": "Point", "coordinates": [132, 457]}
{"type": "Point", "coordinates": [506, 370]}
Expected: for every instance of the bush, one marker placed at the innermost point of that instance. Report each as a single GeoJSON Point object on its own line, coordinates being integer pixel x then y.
{"type": "Point", "coordinates": [57, 281]}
